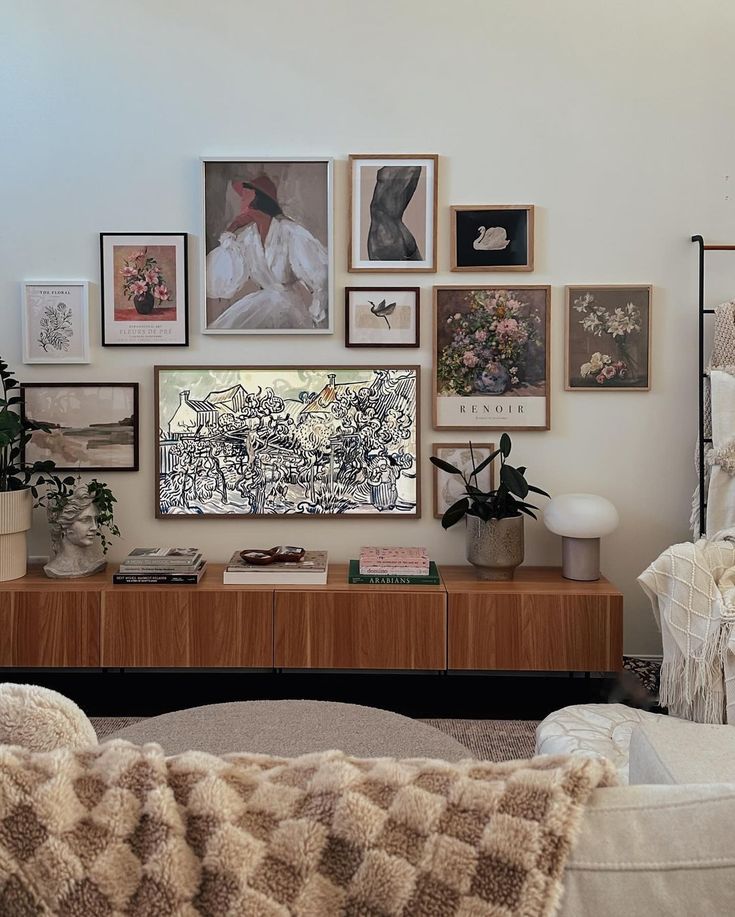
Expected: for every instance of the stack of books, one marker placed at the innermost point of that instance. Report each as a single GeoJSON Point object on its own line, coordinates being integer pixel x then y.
{"type": "Point", "coordinates": [161, 566]}
{"type": "Point", "coordinates": [394, 567]}
{"type": "Point", "coordinates": [311, 571]}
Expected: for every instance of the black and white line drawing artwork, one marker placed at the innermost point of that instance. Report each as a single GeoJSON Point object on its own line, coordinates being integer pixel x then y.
{"type": "Point", "coordinates": [57, 328]}
{"type": "Point", "coordinates": [293, 441]}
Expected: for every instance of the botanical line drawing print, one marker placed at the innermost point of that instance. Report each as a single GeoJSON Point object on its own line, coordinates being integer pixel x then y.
{"type": "Point", "coordinates": [389, 239]}
{"type": "Point", "coordinates": [287, 441]}
{"type": "Point", "coordinates": [57, 328]}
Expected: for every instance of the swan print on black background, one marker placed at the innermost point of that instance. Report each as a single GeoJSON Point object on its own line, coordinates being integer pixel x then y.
{"type": "Point", "coordinates": [492, 238]}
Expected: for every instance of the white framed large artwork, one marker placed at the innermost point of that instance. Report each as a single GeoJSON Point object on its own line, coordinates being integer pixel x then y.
{"type": "Point", "coordinates": [268, 246]}
{"type": "Point", "coordinates": [295, 441]}
{"type": "Point", "coordinates": [55, 321]}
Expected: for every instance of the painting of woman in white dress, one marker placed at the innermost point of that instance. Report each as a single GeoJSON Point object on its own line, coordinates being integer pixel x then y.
{"type": "Point", "coordinates": [268, 241]}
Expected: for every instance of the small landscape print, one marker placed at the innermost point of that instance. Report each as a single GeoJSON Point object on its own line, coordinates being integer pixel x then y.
{"type": "Point", "coordinates": [608, 338]}
{"type": "Point", "coordinates": [491, 357]}
{"type": "Point", "coordinates": [393, 204]}
{"type": "Point", "coordinates": [144, 289]}
{"type": "Point", "coordinates": [55, 322]}
{"type": "Point", "coordinates": [92, 426]}
{"type": "Point", "coordinates": [382, 316]}
{"type": "Point", "coordinates": [268, 239]}
{"type": "Point", "coordinates": [492, 238]}
{"type": "Point", "coordinates": [448, 488]}
{"type": "Point", "coordinates": [287, 441]}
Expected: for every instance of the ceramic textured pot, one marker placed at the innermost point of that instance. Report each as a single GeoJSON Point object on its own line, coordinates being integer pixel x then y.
{"type": "Point", "coordinates": [16, 507]}
{"type": "Point", "coordinates": [495, 547]}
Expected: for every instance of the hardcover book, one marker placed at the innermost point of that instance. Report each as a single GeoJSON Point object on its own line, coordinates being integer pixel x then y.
{"type": "Point", "coordinates": [312, 571]}
{"type": "Point", "coordinates": [356, 577]}
{"type": "Point", "coordinates": [122, 578]}
{"type": "Point", "coordinates": [164, 556]}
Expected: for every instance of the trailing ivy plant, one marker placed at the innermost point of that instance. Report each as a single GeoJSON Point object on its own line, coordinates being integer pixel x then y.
{"type": "Point", "coordinates": [15, 433]}
{"type": "Point", "coordinates": [507, 500]}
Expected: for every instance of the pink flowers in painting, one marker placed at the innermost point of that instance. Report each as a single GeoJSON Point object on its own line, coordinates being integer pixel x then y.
{"type": "Point", "coordinates": [142, 277]}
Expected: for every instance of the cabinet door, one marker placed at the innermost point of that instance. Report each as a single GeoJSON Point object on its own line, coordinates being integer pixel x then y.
{"type": "Point", "coordinates": [542, 632]}
{"type": "Point", "coordinates": [175, 628]}
{"type": "Point", "coordinates": [50, 629]}
{"type": "Point", "coordinates": [360, 630]}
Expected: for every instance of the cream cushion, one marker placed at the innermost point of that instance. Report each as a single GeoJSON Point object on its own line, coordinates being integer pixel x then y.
{"type": "Point", "coordinates": [601, 730]}
{"type": "Point", "coordinates": [40, 719]}
{"type": "Point", "coordinates": [669, 750]}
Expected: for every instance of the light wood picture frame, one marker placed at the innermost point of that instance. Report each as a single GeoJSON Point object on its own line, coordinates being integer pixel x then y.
{"type": "Point", "coordinates": [400, 238]}
{"type": "Point", "coordinates": [607, 337]}
{"type": "Point", "coordinates": [448, 488]}
{"type": "Point", "coordinates": [492, 357]}
{"type": "Point", "coordinates": [288, 441]}
{"type": "Point", "coordinates": [492, 237]}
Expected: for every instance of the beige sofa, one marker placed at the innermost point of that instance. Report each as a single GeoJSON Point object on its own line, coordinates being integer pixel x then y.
{"type": "Point", "coordinates": [665, 844]}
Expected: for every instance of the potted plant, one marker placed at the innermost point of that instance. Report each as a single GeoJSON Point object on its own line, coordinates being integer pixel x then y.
{"type": "Point", "coordinates": [495, 517]}
{"type": "Point", "coordinates": [143, 282]}
{"type": "Point", "coordinates": [19, 480]}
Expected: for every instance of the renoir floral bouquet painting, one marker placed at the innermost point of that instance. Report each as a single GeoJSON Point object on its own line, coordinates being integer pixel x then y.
{"type": "Point", "coordinates": [491, 356]}
{"type": "Point", "coordinates": [608, 342]}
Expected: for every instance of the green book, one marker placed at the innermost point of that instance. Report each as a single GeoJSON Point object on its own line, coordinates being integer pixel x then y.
{"type": "Point", "coordinates": [378, 579]}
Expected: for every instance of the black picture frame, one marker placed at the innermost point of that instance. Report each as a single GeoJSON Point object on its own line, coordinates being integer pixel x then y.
{"type": "Point", "coordinates": [183, 291]}
{"type": "Point", "coordinates": [133, 386]}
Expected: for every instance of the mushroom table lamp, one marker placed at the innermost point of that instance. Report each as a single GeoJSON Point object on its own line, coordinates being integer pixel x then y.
{"type": "Point", "coordinates": [581, 520]}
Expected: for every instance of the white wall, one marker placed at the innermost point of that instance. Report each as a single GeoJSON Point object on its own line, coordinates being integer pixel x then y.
{"type": "Point", "coordinates": [615, 119]}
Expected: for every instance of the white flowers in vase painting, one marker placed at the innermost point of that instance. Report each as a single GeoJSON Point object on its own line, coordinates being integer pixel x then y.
{"type": "Point", "coordinates": [608, 330]}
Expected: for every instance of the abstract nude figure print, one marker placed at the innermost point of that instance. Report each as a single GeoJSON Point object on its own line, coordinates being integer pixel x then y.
{"type": "Point", "coordinates": [393, 213]}
{"type": "Point", "coordinates": [290, 441]}
{"type": "Point", "coordinates": [389, 239]}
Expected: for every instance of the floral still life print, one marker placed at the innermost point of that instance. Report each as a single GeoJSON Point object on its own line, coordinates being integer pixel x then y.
{"type": "Point", "coordinates": [289, 441]}
{"type": "Point", "coordinates": [144, 298]}
{"type": "Point", "coordinates": [491, 359]}
{"type": "Point", "coordinates": [608, 338]}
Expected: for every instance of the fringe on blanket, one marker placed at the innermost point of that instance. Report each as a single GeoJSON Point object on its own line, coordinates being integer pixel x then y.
{"type": "Point", "coordinates": [693, 687]}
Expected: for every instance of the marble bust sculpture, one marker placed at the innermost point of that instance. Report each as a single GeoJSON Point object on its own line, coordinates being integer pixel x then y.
{"type": "Point", "coordinates": [75, 543]}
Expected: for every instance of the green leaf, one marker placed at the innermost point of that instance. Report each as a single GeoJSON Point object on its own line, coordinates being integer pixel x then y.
{"type": "Point", "coordinates": [526, 510]}
{"type": "Point", "coordinates": [455, 512]}
{"type": "Point", "coordinates": [445, 466]}
{"type": "Point", "coordinates": [505, 444]}
{"type": "Point", "coordinates": [522, 469]}
{"type": "Point", "coordinates": [514, 481]}
{"type": "Point", "coordinates": [537, 490]}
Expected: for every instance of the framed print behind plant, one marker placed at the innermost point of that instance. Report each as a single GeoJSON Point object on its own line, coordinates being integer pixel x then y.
{"type": "Point", "coordinates": [144, 289]}
{"type": "Point", "coordinates": [608, 338]}
{"type": "Point", "coordinates": [94, 425]}
{"type": "Point", "coordinates": [491, 357]}
{"type": "Point", "coordinates": [393, 213]}
{"type": "Point", "coordinates": [295, 441]}
{"type": "Point", "coordinates": [382, 316]}
{"type": "Point", "coordinates": [492, 237]}
{"type": "Point", "coordinates": [448, 488]}
{"type": "Point", "coordinates": [55, 321]}
{"type": "Point", "coordinates": [268, 246]}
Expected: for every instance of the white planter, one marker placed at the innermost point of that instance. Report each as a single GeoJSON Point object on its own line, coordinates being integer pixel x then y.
{"type": "Point", "coordinates": [16, 507]}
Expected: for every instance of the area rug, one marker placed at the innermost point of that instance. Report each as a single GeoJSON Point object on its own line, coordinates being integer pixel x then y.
{"type": "Point", "coordinates": [488, 740]}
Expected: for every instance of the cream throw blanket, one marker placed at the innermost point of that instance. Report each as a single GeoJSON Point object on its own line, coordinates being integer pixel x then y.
{"type": "Point", "coordinates": [692, 591]}
{"type": "Point", "coordinates": [121, 830]}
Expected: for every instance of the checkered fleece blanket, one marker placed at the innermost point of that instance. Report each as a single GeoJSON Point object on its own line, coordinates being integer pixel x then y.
{"type": "Point", "coordinates": [123, 830]}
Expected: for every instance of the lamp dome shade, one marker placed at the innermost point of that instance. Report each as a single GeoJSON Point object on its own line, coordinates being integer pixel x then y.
{"type": "Point", "coordinates": [580, 516]}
